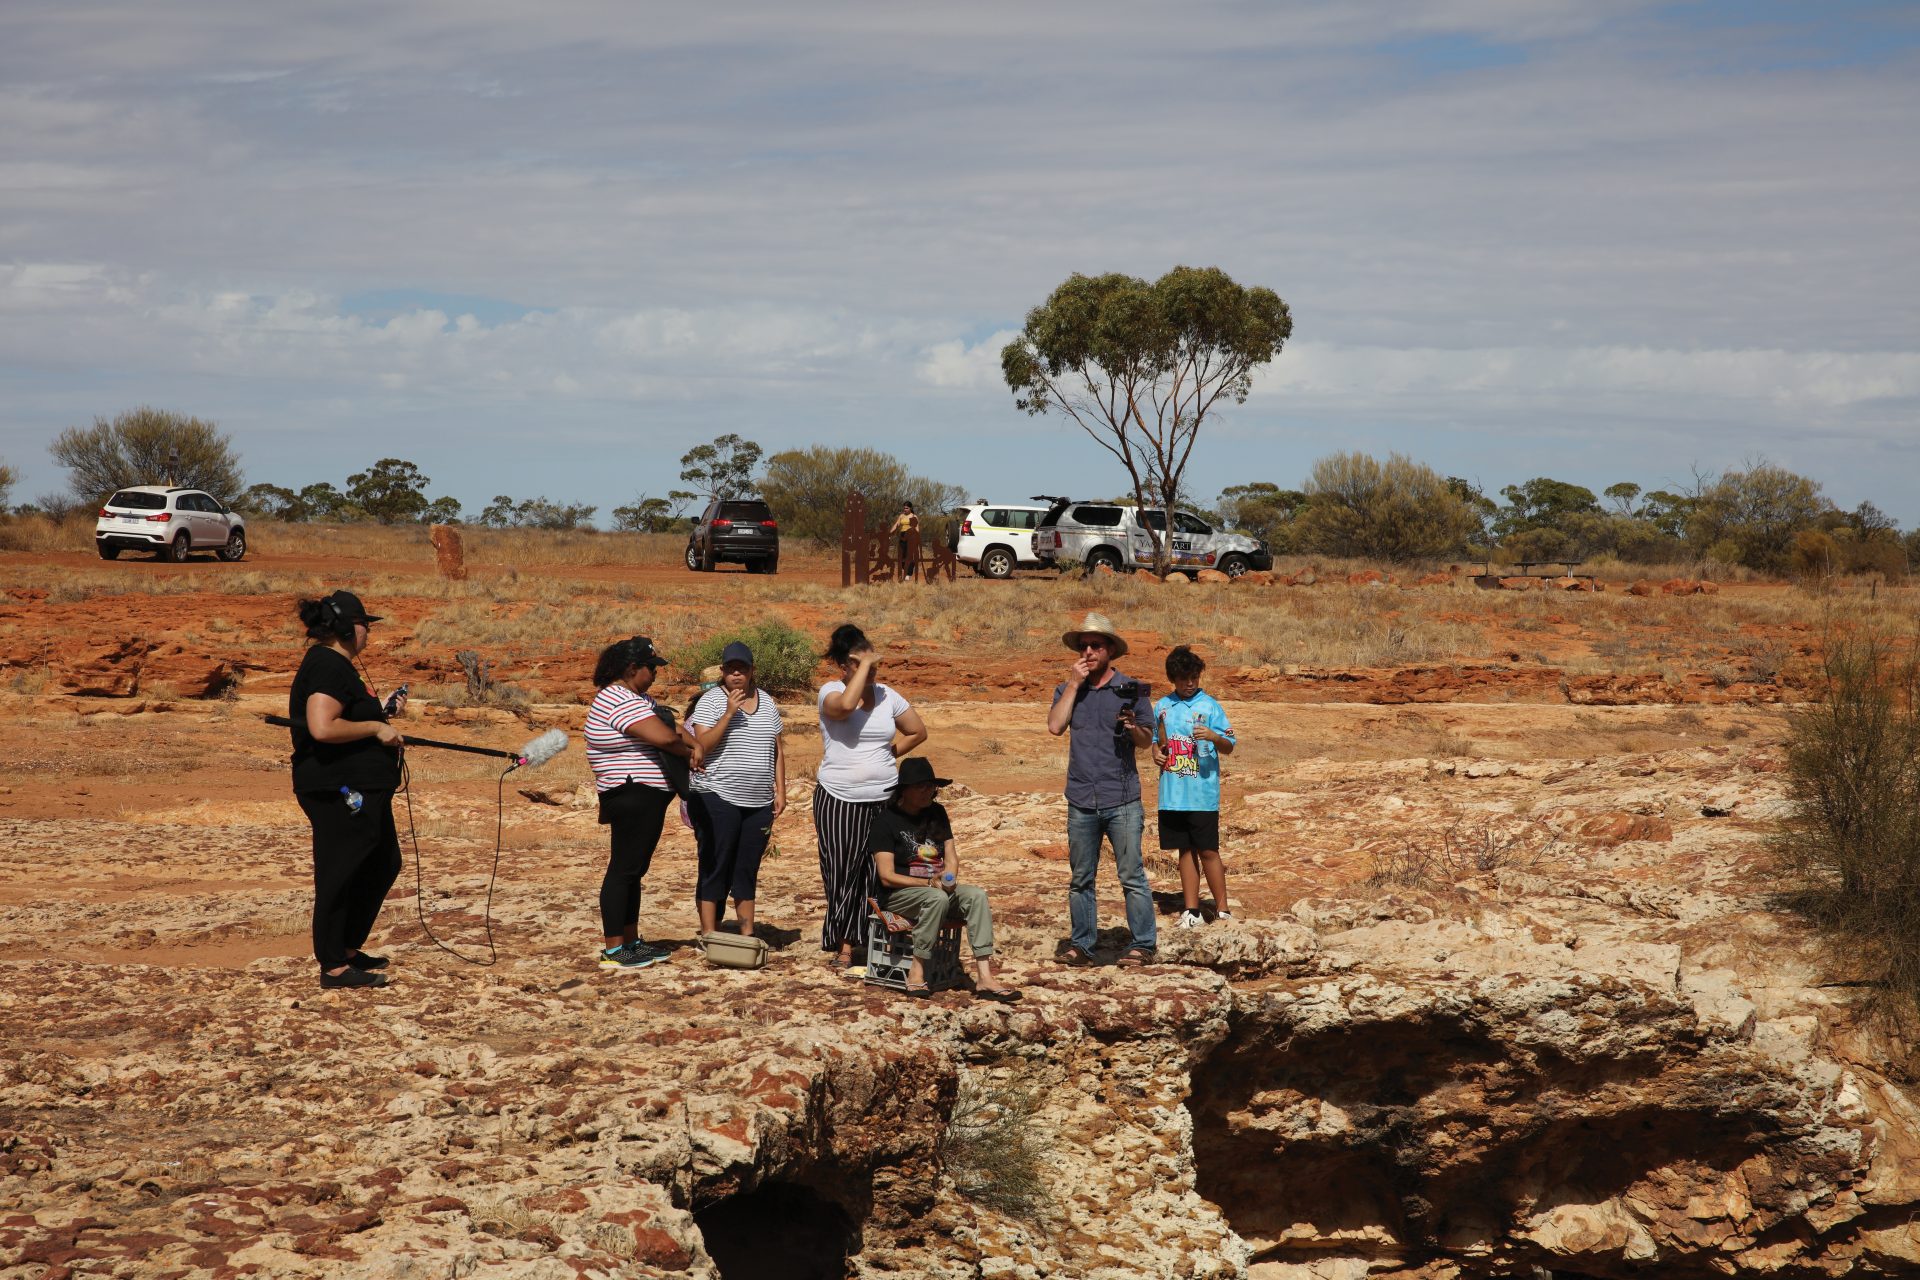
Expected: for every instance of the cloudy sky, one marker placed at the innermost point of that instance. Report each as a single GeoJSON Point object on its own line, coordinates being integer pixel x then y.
{"type": "Point", "coordinates": [544, 249]}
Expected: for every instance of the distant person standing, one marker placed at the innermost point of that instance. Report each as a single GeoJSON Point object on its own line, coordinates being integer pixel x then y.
{"type": "Point", "coordinates": [905, 526]}
{"type": "Point", "coordinates": [739, 790]}
{"type": "Point", "coordinates": [1109, 716]}
{"type": "Point", "coordinates": [1191, 733]}
{"type": "Point", "coordinates": [346, 767]}
{"type": "Point", "coordinates": [864, 726]}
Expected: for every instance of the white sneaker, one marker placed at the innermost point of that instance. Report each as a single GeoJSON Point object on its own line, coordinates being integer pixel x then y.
{"type": "Point", "coordinates": [1224, 915]}
{"type": "Point", "coordinates": [1189, 920]}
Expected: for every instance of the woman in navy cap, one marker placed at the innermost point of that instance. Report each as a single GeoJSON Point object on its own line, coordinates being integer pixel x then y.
{"type": "Point", "coordinates": [740, 788]}
{"type": "Point", "coordinates": [346, 767]}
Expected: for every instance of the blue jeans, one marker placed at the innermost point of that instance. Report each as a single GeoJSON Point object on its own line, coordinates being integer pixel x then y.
{"type": "Point", "coordinates": [1121, 825]}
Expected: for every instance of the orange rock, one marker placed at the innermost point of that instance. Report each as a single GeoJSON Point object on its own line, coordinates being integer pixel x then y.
{"type": "Point", "coordinates": [1641, 587]}
{"type": "Point", "coordinates": [1574, 584]}
{"type": "Point", "coordinates": [1707, 588]}
{"type": "Point", "coordinates": [1177, 580]}
{"type": "Point", "coordinates": [1256, 578]}
{"type": "Point", "coordinates": [1212, 575]}
{"type": "Point", "coordinates": [1367, 577]}
{"type": "Point", "coordinates": [1435, 580]}
{"type": "Point", "coordinates": [1304, 578]}
{"type": "Point", "coordinates": [1104, 568]}
{"type": "Point", "coordinates": [1516, 584]}
{"type": "Point", "coordinates": [448, 554]}
{"type": "Point", "coordinates": [1145, 575]}
{"type": "Point", "coordinates": [1679, 587]}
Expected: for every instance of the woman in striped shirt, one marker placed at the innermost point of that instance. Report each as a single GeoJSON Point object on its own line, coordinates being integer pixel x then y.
{"type": "Point", "coordinates": [864, 726]}
{"type": "Point", "coordinates": [740, 789]}
{"type": "Point", "coordinates": [625, 742]}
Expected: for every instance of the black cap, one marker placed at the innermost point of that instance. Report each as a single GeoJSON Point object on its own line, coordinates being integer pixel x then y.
{"type": "Point", "coordinates": [348, 609]}
{"type": "Point", "coordinates": [736, 652]}
{"type": "Point", "coordinates": [917, 771]}
{"type": "Point", "coordinates": [640, 653]}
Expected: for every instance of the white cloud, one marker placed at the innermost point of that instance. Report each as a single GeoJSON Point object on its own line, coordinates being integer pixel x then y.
{"type": "Point", "coordinates": [958, 364]}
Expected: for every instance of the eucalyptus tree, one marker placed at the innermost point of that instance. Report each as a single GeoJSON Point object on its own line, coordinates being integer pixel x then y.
{"type": "Point", "coordinates": [1139, 367]}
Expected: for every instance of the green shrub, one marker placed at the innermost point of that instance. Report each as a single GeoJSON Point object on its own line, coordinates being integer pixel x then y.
{"type": "Point", "coordinates": [992, 1152]}
{"type": "Point", "coordinates": [783, 658]}
{"type": "Point", "coordinates": [1851, 844]}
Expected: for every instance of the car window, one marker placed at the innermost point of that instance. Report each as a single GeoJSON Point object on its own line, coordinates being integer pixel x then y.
{"type": "Point", "coordinates": [1186, 523]}
{"type": "Point", "coordinates": [755, 511]}
{"type": "Point", "coordinates": [1023, 519]}
{"type": "Point", "coordinates": [1097, 517]}
{"type": "Point", "coordinates": [994, 517]}
{"type": "Point", "coordinates": [138, 501]}
{"type": "Point", "coordinates": [187, 502]}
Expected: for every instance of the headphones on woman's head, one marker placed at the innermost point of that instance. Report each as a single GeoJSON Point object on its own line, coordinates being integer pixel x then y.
{"type": "Point", "coordinates": [333, 620]}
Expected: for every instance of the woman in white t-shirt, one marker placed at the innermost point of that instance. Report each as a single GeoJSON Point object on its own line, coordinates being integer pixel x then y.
{"type": "Point", "coordinates": [739, 790]}
{"type": "Point", "coordinates": [626, 739]}
{"type": "Point", "coordinates": [864, 727]}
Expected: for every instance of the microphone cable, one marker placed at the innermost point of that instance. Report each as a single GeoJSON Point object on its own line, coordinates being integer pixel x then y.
{"type": "Point", "coordinates": [419, 891]}
{"type": "Point", "coordinates": [413, 838]}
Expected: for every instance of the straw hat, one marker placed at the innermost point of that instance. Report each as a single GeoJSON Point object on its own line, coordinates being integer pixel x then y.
{"type": "Point", "coordinates": [1099, 625]}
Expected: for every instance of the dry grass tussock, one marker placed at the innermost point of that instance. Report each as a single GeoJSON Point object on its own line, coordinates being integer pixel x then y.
{"type": "Point", "coordinates": [1851, 844]}
{"type": "Point", "coordinates": [409, 543]}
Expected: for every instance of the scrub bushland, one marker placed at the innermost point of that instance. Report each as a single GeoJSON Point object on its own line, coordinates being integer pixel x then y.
{"type": "Point", "coordinates": [1851, 844]}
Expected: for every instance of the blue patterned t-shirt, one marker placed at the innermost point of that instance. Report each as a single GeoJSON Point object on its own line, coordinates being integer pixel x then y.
{"type": "Point", "coordinates": [1191, 780]}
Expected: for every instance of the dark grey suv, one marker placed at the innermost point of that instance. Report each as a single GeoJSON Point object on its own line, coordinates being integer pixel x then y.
{"type": "Point", "coordinates": [740, 530]}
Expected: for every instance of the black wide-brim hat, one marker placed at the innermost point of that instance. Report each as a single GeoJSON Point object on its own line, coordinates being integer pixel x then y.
{"type": "Point", "coordinates": [917, 771]}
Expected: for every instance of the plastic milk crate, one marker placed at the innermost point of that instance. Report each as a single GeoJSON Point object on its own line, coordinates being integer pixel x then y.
{"type": "Point", "coordinates": [890, 955]}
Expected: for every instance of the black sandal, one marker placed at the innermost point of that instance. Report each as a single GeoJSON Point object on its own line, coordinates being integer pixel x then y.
{"type": "Point", "coordinates": [1077, 957]}
{"type": "Point", "coordinates": [999, 995]}
{"type": "Point", "coordinates": [921, 992]}
{"type": "Point", "coordinates": [1134, 957]}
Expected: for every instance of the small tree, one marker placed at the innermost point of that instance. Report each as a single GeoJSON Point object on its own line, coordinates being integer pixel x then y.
{"type": "Point", "coordinates": [8, 478]}
{"type": "Point", "coordinates": [1263, 509]}
{"type": "Point", "coordinates": [807, 489]}
{"type": "Point", "coordinates": [447, 511]}
{"type": "Point", "coordinates": [644, 515]}
{"type": "Point", "coordinates": [1399, 511]}
{"type": "Point", "coordinates": [391, 491]}
{"type": "Point", "coordinates": [321, 501]}
{"type": "Point", "coordinates": [147, 446]}
{"type": "Point", "coordinates": [1139, 367]}
{"type": "Point", "coordinates": [723, 469]}
{"type": "Point", "coordinates": [1756, 513]}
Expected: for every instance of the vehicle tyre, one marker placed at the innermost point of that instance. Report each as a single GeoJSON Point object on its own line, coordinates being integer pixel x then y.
{"type": "Point", "coordinates": [693, 557]}
{"type": "Point", "coordinates": [1103, 556]}
{"type": "Point", "coordinates": [708, 560]}
{"type": "Point", "coordinates": [773, 565]}
{"type": "Point", "coordinates": [759, 566]}
{"type": "Point", "coordinates": [107, 552]}
{"type": "Point", "coordinates": [996, 562]}
{"type": "Point", "coordinates": [180, 548]}
{"type": "Point", "coordinates": [236, 547]}
{"type": "Point", "coordinates": [1233, 565]}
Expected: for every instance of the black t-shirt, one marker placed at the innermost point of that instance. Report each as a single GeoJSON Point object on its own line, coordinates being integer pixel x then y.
{"type": "Point", "coordinates": [917, 841]}
{"type": "Point", "coordinates": [364, 765]}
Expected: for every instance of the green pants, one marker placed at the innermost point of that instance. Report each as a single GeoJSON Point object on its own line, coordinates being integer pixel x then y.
{"type": "Point", "coordinates": [928, 907]}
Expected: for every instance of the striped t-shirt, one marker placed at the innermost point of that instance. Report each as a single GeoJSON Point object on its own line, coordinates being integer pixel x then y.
{"type": "Point", "coordinates": [740, 769]}
{"type": "Point", "coordinates": [611, 754]}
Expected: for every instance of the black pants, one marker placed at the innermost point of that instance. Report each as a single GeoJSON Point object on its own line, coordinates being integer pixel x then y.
{"type": "Point", "coordinates": [356, 858]}
{"type": "Point", "coordinates": [732, 842]}
{"type": "Point", "coordinates": [635, 812]}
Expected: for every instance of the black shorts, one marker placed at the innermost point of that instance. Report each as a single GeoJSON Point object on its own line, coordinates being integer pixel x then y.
{"type": "Point", "coordinates": [1189, 829]}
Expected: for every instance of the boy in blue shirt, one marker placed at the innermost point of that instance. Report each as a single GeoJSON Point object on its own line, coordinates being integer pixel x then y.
{"type": "Point", "coordinates": [1190, 735]}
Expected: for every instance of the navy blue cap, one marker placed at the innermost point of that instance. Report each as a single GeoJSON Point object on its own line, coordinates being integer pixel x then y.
{"type": "Point", "coordinates": [736, 652]}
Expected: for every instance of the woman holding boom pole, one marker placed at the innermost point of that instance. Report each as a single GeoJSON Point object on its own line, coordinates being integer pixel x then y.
{"type": "Point", "coordinates": [346, 767]}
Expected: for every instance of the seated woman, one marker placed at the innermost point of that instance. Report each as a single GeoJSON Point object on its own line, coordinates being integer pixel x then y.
{"type": "Point", "coordinates": [918, 868]}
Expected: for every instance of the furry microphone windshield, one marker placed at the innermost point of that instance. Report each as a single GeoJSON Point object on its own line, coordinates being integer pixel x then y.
{"type": "Point", "coordinates": [542, 749]}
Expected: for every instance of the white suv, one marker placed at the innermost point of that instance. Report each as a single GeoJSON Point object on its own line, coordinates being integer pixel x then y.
{"type": "Point", "coordinates": [1114, 534]}
{"type": "Point", "coordinates": [172, 523]}
{"type": "Point", "coordinates": [995, 540]}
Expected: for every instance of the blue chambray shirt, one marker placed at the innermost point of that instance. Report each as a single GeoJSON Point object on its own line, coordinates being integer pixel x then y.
{"type": "Point", "coordinates": [1101, 769]}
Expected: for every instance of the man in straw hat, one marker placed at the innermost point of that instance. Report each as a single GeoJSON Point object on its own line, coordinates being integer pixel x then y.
{"type": "Point", "coordinates": [1110, 716]}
